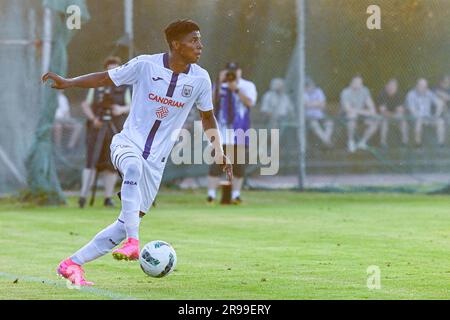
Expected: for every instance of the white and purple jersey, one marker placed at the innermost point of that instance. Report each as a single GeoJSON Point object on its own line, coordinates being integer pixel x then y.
{"type": "Point", "coordinates": [161, 101]}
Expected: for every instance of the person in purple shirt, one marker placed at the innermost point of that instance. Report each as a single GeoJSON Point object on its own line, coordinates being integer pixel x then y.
{"type": "Point", "coordinates": [234, 97]}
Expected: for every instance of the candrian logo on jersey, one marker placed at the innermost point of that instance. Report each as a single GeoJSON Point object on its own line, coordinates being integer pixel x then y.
{"type": "Point", "coordinates": [166, 101]}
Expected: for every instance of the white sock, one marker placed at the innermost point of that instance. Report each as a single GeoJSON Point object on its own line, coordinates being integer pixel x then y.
{"type": "Point", "coordinates": [87, 178]}
{"type": "Point", "coordinates": [102, 243]}
{"type": "Point", "coordinates": [212, 193]}
{"type": "Point", "coordinates": [237, 186]}
{"type": "Point", "coordinates": [131, 195]}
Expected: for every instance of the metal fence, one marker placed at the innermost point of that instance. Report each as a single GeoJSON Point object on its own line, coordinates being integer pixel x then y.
{"type": "Point", "coordinates": [413, 43]}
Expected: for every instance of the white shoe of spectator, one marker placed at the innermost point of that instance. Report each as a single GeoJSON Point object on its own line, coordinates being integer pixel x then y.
{"type": "Point", "coordinates": [351, 146]}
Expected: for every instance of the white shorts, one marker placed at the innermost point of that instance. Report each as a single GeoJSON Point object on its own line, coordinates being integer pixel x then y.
{"type": "Point", "coordinates": [121, 148]}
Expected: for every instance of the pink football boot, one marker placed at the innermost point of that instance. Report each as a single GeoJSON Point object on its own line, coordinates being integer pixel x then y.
{"type": "Point", "coordinates": [73, 272]}
{"type": "Point", "coordinates": [129, 250]}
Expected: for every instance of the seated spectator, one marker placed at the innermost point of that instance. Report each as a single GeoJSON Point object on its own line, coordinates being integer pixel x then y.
{"type": "Point", "coordinates": [443, 91]}
{"type": "Point", "coordinates": [390, 104]}
{"type": "Point", "coordinates": [63, 120]}
{"type": "Point", "coordinates": [420, 101]}
{"type": "Point", "coordinates": [357, 103]}
{"type": "Point", "coordinates": [276, 105]}
{"type": "Point", "coordinates": [315, 104]}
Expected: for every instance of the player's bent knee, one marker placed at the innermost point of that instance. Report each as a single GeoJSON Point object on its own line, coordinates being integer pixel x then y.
{"type": "Point", "coordinates": [133, 170]}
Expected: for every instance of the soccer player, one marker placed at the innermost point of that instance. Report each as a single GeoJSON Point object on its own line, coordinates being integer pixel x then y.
{"type": "Point", "coordinates": [165, 87]}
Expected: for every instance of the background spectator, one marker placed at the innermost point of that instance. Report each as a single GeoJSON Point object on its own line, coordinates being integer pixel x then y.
{"type": "Point", "coordinates": [276, 105]}
{"type": "Point", "coordinates": [390, 103]}
{"type": "Point", "coordinates": [234, 97]}
{"type": "Point", "coordinates": [357, 103]}
{"type": "Point", "coordinates": [315, 104]}
{"type": "Point", "coordinates": [442, 90]}
{"type": "Point", "coordinates": [420, 101]}
{"type": "Point", "coordinates": [100, 102]}
{"type": "Point", "coordinates": [63, 120]}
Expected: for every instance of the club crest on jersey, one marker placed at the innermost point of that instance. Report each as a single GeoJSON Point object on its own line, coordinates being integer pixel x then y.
{"type": "Point", "coordinates": [187, 91]}
{"type": "Point", "coordinates": [162, 112]}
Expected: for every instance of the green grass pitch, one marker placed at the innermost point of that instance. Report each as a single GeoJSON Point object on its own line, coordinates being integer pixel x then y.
{"type": "Point", "coordinates": [276, 245]}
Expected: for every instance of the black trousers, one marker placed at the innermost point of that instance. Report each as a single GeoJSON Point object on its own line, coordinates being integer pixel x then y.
{"type": "Point", "coordinates": [104, 161]}
{"type": "Point", "coordinates": [238, 169]}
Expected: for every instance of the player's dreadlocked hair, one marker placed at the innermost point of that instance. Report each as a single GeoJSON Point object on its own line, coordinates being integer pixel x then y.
{"type": "Point", "coordinates": [178, 29]}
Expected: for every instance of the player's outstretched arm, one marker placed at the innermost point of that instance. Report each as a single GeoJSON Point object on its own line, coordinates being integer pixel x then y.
{"type": "Point", "coordinates": [93, 80]}
{"type": "Point", "coordinates": [209, 123]}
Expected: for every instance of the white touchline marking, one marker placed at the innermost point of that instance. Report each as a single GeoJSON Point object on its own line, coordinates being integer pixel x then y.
{"type": "Point", "coordinates": [94, 291]}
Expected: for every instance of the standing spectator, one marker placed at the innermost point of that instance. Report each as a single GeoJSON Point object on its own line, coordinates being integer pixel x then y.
{"type": "Point", "coordinates": [315, 104]}
{"type": "Point", "coordinates": [357, 103]}
{"type": "Point", "coordinates": [112, 102]}
{"type": "Point", "coordinates": [234, 98]}
{"type": "Point", "coordinates": [390, 104]}
{"type": "Point", "coordinates": [63, 120]}
{"type": "Point", "coordinates": [276, 104]}
{"type": "Point", "coordinates": [420, 101]}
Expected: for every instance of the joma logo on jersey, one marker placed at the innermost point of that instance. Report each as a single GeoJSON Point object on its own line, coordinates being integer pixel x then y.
{"type": "Point", "coordinates": [166, 101]}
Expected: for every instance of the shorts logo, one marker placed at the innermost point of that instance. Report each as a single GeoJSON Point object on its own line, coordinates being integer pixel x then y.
{"type": "Point", "coordinates": [187, 91]}
{"type": "Point", "coordinates": [162, 112]}
{"type": "Point", "coordinates": [131, 183]}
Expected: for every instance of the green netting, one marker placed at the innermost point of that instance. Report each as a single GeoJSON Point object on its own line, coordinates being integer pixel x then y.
{"type": "Point", "coordinates": [413, 43]}
{"type": "Point", "coordinates": [43, 180]}
{"type": "Point", "coordinates": [20, 96]}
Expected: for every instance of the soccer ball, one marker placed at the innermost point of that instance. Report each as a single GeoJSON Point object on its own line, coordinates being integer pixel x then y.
{"type": "Point", "coordinates": [157, 259]}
